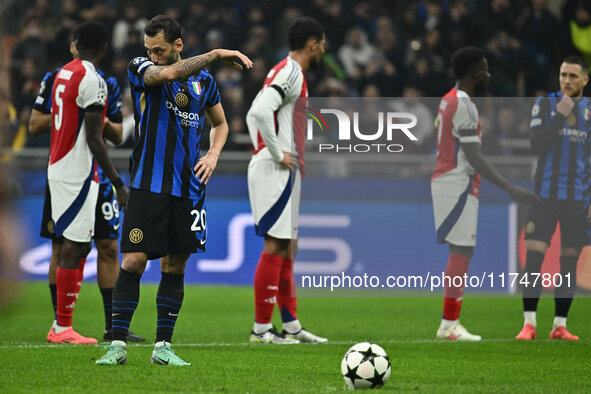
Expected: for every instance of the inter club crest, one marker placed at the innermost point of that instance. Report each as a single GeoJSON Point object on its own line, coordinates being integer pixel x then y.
{"type": "Point", "coordinates": [181, 99]}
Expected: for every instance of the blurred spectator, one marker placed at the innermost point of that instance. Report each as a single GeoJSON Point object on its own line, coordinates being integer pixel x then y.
{"type": "Point", "coordinates": [334, 17]}
{"type": "Point", "coordinates": [134, 45]}
{"type": "Point", "coordinates": [27, 86]}
{"type": "Point", "coordinates": [59, 46]}
{"type": "Point", "coordinates": [392, 77]}
{"type": "Point", "coordinates": [195, 18]}
{"type": "Point", "coordinates": [365, 14]}
{"type": "Point", "coordinates": [456, 26]}
{"type": "Point", "coordinates": [433, 15]}
{"type": "Point", "coordinates": [359, 57]}
{"type": "Point", "coordinates": [331, 87]}
{"type": "Point", "coordinates": [132, 20]}
{"type": "Point", "coordinates": [425, 60]}
{"type": "Point", "coordinates": [258, 44]}
{"type": "Point", "coordinates": [10, 121]}
{"type": "Point", "coordinates": [505, 60]}
{"type": "Point", "coordinates": [257, 76]}
{"type": "Point", "coordinates": [31, 49]}
{"type": "Point", "coordinates": [191, 44]}
{"type": "Point", "coordinates": [424, 129]}
{"type": "Point", "coordinates": [371, 91]}
{"type": "Point", "coordinates": [537, 28]}
{"type": "Point", "coordinates": [577, 17]}
{"type": "Point", "coordinates": [495, 16]}
{"type": "Point", "coordinates": [393, 46]}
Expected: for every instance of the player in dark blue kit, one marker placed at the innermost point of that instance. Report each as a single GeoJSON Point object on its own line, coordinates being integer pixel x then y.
{"type": "Point", "coordinates": [561, 137]}
{"type": "Point", "coordinates": [166, 213]}
{"type": "Point", "coordinates": [107, 222]}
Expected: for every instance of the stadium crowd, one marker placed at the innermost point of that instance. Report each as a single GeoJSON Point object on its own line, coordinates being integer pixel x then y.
{"type": "Point", "coordinates": [386, 48]}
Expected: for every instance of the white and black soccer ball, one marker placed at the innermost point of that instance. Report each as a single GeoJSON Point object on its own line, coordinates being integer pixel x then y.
{"type": "Point", "coordinates": [365, 366]}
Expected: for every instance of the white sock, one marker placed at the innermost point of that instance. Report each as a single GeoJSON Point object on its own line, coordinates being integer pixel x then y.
{"type": "Point", "coordinates": [59, 329]}
{"type": "Point", "coordinates": [558, 322]}
{"type": "Point", "coordinates": [160, 344]}
{"type": "Point", "coordinates": [447, 324]}
{"type": "Point", "coordinates": [119, 343]}
{"type": "Point", "coordinates": [529, 318]}
{"type": "Point", "coordinates": [54, 325]}
{"type": "Point", "coordinates": [260, 328]}
{"type": "Point", "coordinates": [292, 326]}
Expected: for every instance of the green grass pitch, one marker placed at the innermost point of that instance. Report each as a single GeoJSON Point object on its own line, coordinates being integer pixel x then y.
{"type": "Point", "coordinates": [212, 333]}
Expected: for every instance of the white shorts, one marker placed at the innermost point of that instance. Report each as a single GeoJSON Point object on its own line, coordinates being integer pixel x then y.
{"type": "Point", "coordinates": [73, 207]}
{"type": "Point", "coordinates": [274, 198]}
{"type": "Point", "coordinates": [456, 217]}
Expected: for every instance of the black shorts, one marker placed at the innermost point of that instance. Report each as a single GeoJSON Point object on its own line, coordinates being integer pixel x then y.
{"type": "Point", "coordinates": [106, 223]}
{"type": "Point", "coordinates": [161, 224]}
{"type": "Point", "coordinates": [572, 216]}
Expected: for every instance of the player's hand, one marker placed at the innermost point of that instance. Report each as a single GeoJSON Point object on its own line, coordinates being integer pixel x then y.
{"type": "Point", "coordinates": [290, 161]}
{"type": "Point", "coordinates": [205, 167]}
{"type": "Point", "coordinates": [522, 195]}
{"type": "Point", "coordinates": [565, 105]}
{"type": "Point", "coordinates": [122, 194]}
{"type": "Point", "coordinates": [589, 214]}
{"type": "Point", "coordinates": [231, 58]}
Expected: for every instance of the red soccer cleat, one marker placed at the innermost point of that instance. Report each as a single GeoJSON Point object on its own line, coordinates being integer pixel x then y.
{"type": "Point", "coordinates": [71, 336]}
{"type": "Point", "coordinates": [562, 333]}
{"type": "Point", "coordinates": [527, 333]}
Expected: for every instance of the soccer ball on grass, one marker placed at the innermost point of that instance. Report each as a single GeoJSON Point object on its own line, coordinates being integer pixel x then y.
{"type": "Point", "coordinates": [365, 366]}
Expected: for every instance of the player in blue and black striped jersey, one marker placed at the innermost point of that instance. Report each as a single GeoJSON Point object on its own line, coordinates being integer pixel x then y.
{"type": "Point", "coordinates": [561, 138]}
{"type": "Point", "coordinates": [106, 229]}
{"type": "Point", "coordinates": [165, 216]}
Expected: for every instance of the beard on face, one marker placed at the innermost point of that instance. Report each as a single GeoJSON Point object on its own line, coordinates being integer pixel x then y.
{"type": "Point", "coordinates": [314, 63]}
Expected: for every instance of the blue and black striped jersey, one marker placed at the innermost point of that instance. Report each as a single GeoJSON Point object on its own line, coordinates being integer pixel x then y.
{"type": "Point", "coordinates": [563, 170]}
{"type": "Point", "coordinates": [43, 103]}
{"type": "Point", "coordinates": [168, 124]}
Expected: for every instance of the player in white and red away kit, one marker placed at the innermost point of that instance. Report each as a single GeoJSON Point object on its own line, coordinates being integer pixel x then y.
{"type": "Point", "coordinates": [274, 180]}
{"type": "Point", "coordinates": [456, 180]}
{"type": "Point", "coordinates": [78, 112]}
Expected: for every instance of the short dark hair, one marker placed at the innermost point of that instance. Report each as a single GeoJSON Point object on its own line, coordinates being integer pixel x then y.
{"type": "Point", "coordinates": [90, 36]}
{"type": "Point", "coordinates": [301, 30]}
{"type": "Point", "coordinates": [464, 58]}
{"type": "Point", "coordinates": [166, 25]}
{"type": "Point", "coordinates": [580, 60]}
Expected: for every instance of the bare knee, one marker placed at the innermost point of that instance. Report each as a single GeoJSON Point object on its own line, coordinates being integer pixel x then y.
{"type": "Point", "coordinates": [465, 251]}
{"type": "Point", "coordinates": [134, 262]}
{"type": "Point", "coordinates": [174, 264]}
{"type": "Point", "coordinates": [56, 249]}
{"type": "Point", "coordinates": [108, 251]}
{"type": "Point", "coordinates": [71, 253]}
{"type": "Point", "coordinates": [277, 247]}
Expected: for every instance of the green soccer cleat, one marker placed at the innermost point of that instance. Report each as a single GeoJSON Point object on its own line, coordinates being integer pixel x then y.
{"type": "Point", "coordinates": [164, 355]}
{"type": "Point", "coordinates": [115, 355]}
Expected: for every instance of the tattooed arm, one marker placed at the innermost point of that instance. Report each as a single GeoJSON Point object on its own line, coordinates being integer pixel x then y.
{"type": "Point", "coordinates": [181, 70]}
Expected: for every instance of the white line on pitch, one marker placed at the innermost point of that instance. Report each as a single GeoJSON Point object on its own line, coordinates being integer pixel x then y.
{"type": "Point", "coordinates": [242, 344]}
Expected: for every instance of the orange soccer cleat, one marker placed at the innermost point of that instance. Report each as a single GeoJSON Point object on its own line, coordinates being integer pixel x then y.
{"type": "Point", "coordinates": [71, 336]}
{"type": "Point", "coordinates": [562, 333]}
{"type": "Point", "coordinates": [527, 333]}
